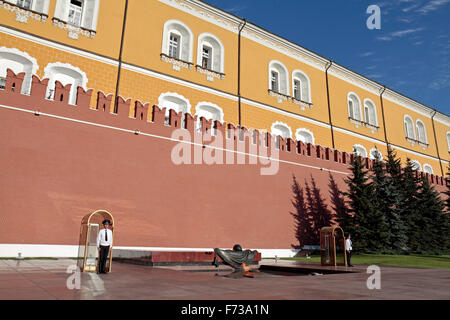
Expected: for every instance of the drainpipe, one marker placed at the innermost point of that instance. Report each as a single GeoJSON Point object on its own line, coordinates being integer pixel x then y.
{"type": "Point", "coordinates": [241, 27]}
{"type": "Point", "coordinates": [435, 141]}
{"type": "Point", "coordinates": [328, 66]}
{"type": "Point", "coordinates": [384, 122]}
{"type": "Point", "coordinates": [120, 55]}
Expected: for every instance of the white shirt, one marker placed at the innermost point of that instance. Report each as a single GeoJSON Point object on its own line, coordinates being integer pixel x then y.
{"type": "Point", "coordinates": [101, 238]}
{"type": "Point", "coordinates": [348, 245]}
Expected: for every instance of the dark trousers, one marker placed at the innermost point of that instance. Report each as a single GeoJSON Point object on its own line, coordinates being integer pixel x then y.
{"type": "Point", "coordinates": [104, 250]}
{"type": "Point", "coordinates": [349, 257]}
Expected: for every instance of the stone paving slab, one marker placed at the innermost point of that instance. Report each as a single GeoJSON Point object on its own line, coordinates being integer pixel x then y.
{"type": "Point", "coordinates": [46, 279]}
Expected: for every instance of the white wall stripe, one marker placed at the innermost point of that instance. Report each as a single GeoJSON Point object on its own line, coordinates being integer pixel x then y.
{"type": "Point", "coordinates": [174, 140]}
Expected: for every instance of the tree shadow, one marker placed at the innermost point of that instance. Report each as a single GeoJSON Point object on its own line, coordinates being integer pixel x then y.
{"type": "Point", "coordinates": [311, 213]}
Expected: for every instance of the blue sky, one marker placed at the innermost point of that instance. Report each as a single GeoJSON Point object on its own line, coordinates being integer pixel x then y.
{"type": "Point", "coordinates": [409, 54]}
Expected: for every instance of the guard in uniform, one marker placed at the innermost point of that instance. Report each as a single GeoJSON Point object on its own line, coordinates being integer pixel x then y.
{"type": "Point", "coordinates": [104, 243]}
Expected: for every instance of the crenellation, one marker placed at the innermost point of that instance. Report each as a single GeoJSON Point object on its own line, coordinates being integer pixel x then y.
{"type": "Point", "coordinates": [314, 154]}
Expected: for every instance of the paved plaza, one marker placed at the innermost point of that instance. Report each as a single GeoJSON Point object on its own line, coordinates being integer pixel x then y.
{"type": "Point", "coordinates": [47, 279]}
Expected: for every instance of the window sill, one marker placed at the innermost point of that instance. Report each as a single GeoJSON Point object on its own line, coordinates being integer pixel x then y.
{"type": "Point", "coordinates": [280, 96]}
{"type": "Point", "coordinates": [74, 31]}
{"type": "Point", "coordinates": [23, 14]}
{"type": "Point", "coordinates": [358, 123]}
{"type": "Point", "coordinates": [210, 74]}
{"type": "Point", "coordinates": [413, 142]}
{"type": "Point", "coordinates": [177, 64]}
{"type": "Point", "coordinates": [303, 104]}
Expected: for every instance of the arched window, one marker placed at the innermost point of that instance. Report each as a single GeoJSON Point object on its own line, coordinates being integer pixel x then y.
{"type": "Point", "coordinates": [280, 129]}
{"type": "Point", "coordinates": [210, 52]}
{"type": "Point", "coordinates": [375, 154]}
{"type": "Point", "coordinates": [416, 165]}
{"type": "Point", "coordinates": [40, 6]}
{"type": "Point", "coordinates": [409, 127]}
{"type": "Point", "coordinates": [354, 106]}
{"type": "Point", "coordinates": [370, 113]}
{"type": "Point", "coordinates": [177, 40]}
{"type": "Point", "coordinates": [304, 135]}
{"type": "Point", "coordinates": [65, 73]}
{"type": "Point", "coordinates": [427, 168]}
{"type": "Point", "coordinates": [448, 140]}
{"type": "Point", "coordinates": [360, 150]}
{"type": "Point", "coordinates": [79, 13]}
{"type": "Point", "coordinates": [278, 77]}
{"type": "Point", "coordinates": [174, 101]}
{"type": "Point", "coordinates": [17, 61]}
{"type": "Point", "coordinates": [421, 132]}
{"type": "Point", "coordinates": [301, 86]}
{"type": "Point", "coordinates": [209, 111]}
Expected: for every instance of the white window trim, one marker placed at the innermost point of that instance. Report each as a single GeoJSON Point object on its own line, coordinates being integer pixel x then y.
{"type": "Point", "coordinates": [73, 90]}
{"type": "Point", "coordinates": [166, 34]}
{"type": "Point", "coordinates": [35, 67]}
{"type": "Point", "coordinates": [424, 131]}
{"type": "Point", "coordinates": [418, 164]}
{"type": "Point", "coordinates": [279, 123]}
{"type": "Point", "coordinates": [447, 135]}
{"type": "Point", "coordinates": [272, 67]}
{"type": "Point", "coordinates": [202, 42]}
{"type": "Point", "coordinates": [425, 166]}
{"type": "Point", "coordinates": [355, 146]}
{"type": "Point", "coordinates": [210, 104]}
{"type": "Point", "coordinates": [367, 100]}
{"type": "Point", "coordinates": [294, 77]}
{"type": "Point", "coordinates": [371, 155]}
{"type": "Point", "coordinates": [412, 124]}
{"type": "Point", "coordinates": [359, 103]}
{"type": "Point", "coordinates": [300, 130]}
{"type": "Point", "coordinates": [176, 95]}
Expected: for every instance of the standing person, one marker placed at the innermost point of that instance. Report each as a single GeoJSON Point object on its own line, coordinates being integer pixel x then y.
{"type": "Point", "coordinates": [104, 243]}
{"type": "Point", "coordinates": [348, 248]}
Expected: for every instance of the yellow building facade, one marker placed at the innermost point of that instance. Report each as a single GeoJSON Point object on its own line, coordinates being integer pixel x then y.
{"type": "Point", "coordinates": [194, 58]}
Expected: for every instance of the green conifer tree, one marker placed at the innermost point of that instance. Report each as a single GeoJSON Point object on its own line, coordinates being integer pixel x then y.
{"type": "Point", "coordinates": [360, 194]}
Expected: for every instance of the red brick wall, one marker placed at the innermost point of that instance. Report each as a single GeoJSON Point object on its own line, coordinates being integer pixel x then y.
{"type": "Point", "coordinates": [54, 170]}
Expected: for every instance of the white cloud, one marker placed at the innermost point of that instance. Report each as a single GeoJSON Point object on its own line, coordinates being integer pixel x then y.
{"type": "Point", "coordinates": [398, 34]}
{"type": "Point", "coordinates": [432, 6]}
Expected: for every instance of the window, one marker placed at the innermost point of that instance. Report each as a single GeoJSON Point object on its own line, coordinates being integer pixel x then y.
{"type": "Point", "coordinates": [421, 132]}
{"type": "Point", "coordinates": [65, 73]}
{"type": "Point", "coordinates": [209, 111]}
{"type": "Point", "coordinates": [278, 78]}
{"type": "Point", "coordinates": [274, 81]}
{"type": "Point", "coordinates": [359, 150]}
{"type": "Point", "coordinates": [75, 10]}
{"type": "Point", "coordinates": [370, 113]}
{"type": "Point", "coordinates": [409, 127]}
{"type": "Point", "coordinates": [177, 40]}
{"type": "Point", "coordinates": [301, 86]}
{"type": "Point", "coordinates": [280, 129]}
{"type": "Point", "coordinates": [297, 89]}
{"type": "Point", "coordinates": [354, 106]}
{"type": "Point", "coordinates": [304, 135]}
{"type": "Point", "coordinates": [79, 13]}
{"type": "Point", "coordinates": [174, 45]}
{"type": "Point", "coordinates": [26, 4]}
{"type": "Point", "coordinates": [17, 61]}
{"type": "Point", "coordinates": [375, 154]}
{"type": "Point", "coordinates": [416, 165]}
{"type": "Point", "coordinates": [448, 141]}
{"type": "Point", "coordinates": [427, 169]}
{"type": "Point", "coordinates": [210, 53]}
{"type": "Point", "coordinates": [174, 101]}
{"type": "Point", "coordinates": [206, 57]}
